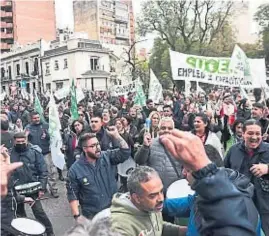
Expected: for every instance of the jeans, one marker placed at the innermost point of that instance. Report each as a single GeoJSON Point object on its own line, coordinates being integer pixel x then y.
{"type": "Point", "coordinates": [52, 176]}
{"type": "Point", "coordinates": [38, 212]}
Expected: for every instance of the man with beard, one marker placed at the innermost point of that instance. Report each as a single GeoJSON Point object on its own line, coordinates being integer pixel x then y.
{"type": "Point", "coordinates": [91, 180]}
{"type": "Point", "coordinates": [101, 133]}
{"type": "Point", "coordinates": [251, 158]}
{"type": "Point", "coordinates": [139, 211]}
{"type": "Point", "coordinates": [148, 108]}
{"type": "Point", "coordinates": [257, 114]}
{"type": "Point", "coordinates": [38, 134]}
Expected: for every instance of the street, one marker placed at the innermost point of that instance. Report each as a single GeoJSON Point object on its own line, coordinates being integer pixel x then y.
{"type": "Point", "coordinates": [58, 211]}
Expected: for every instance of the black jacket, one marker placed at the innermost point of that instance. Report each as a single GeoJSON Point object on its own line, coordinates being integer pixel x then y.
{"type": "Point", "coordinates": [228, 212]}
{"type": "Point", "coordinates": [8, 206]}
{"type": "Point", "coordinates": [235, 160]}
{"type": "Point", "coordinates": [34, 168]}
{"type": "Point", "coordinates": [25, 118]}
{"type": "Point", "coordinates": [35, 136]}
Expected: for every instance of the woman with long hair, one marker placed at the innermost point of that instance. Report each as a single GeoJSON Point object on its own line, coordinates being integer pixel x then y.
{"type": "Point", "coordinates": [202, 130]}
{"type": "Point", "coordinates": [71, 141]}
{"type": "Point", "coordinates": [155, 118]}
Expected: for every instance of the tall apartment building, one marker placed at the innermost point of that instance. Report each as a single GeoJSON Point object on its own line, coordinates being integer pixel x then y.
{"type": "Point", "coordinates": [26, 22]}
{"type": "Point", "coordinates": [110, 21]}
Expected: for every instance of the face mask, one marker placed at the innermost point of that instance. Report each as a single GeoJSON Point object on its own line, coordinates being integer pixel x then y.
{"type": "Point", "coordinates": [20, 147]}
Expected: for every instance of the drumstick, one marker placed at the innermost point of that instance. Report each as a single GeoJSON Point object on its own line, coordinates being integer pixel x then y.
{"type": "Point", "coordinates": [38, 199]}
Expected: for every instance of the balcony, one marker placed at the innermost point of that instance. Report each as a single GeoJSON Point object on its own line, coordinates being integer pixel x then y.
{"type": "Point", "coordinates": [3, 13]}
{"type": "Point", "coordinates": [9, 35]}
{"type": "Point", "coordinates": [6, 3]}
{"type": "Point", "coordinates": [8, 14]}
{"type": "Point", "coordinates": [3, 24]}
{"type": "Point", "coordinates": [5, 46]}
{"type": "Point", "coordinates": [122, 35]}
{"type": "Point", "coordinates": [123, 19]}
{"type": "Point", "coordinates": [6, 35]}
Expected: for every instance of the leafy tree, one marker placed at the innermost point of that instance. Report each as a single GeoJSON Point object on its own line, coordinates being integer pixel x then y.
{"type": "Point", "coordinates": [262, 17]}
{"type": "Point", "coordinates": [193, 27]}
{"type": "Point", "coordinates": [187, 23]}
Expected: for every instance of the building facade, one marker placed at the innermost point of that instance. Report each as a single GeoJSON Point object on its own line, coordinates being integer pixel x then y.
{"type": "Point", "coordinates": [21, 67]}
{"type": "Point", "coordinates": [24, 22]}
{"type": "Point", "coordinates": [110, 21]}
{"type": "Point", "coordinates": [81, 59]}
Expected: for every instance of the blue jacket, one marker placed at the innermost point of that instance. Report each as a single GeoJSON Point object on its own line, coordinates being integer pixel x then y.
{"type": "Point", "coordinates": [234, 160]}
{"type": "Point", "coordinates": [35, 136]}
{"type": "Point", "coordinates": [185, 207]}
{"type": "Point", "coordinates": [94, 186]}
{"type": "Point", "coordinates": [34, 168]}
{"type": "Point", "coordinates": [223, 205]}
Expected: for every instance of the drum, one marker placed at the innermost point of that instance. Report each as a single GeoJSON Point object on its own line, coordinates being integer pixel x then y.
{"type": "Point", "coordinates": [106, 213]}
{"type": "Point", "coordinates": [125, 168]}
{"type": "Point", "coordinates": [28, 227]}
{"type": "Point", "coordinates": [28, 189]}
{"type": "Point", "coordinates": [178, 189]}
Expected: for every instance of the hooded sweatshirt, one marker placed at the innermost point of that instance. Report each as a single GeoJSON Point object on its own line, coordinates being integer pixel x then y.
{"type": "Point", "coordinates": [128, 220]}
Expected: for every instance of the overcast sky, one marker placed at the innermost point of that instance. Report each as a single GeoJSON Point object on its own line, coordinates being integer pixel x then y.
{"type": "Point", "coordinates": [64, 16]}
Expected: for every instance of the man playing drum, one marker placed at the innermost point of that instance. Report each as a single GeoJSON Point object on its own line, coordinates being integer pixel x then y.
{"type": "Point", "coordinates": [34, 170]}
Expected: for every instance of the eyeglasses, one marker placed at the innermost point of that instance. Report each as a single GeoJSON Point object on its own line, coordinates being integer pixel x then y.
{"type": "Point", "coordinates": [93, 145]}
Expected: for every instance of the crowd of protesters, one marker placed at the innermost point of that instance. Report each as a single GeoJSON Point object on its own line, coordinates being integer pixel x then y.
{"type": "Point", "coordinates": [111, 130]}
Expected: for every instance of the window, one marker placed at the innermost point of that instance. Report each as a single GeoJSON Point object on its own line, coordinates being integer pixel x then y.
{"type": "Point", "coordinates": [18, 68]}
{"type": "Point", "coordinates": [27, 68]}
{"type": "Point", "coordinates": [48, 87]}
{"type": "Point", "coordinates": [9, 72]}
{"type": "Point", "coordinates": [36, 69]}
{"type": "Point", "coordinates": [94, 63]}
{"type": "Point", "coordinates": [65, 63]}
{"type": "Point", "coordinates": [2, 72]}
{"type": "Point", "coordinates": [59, 85]}
{"type": "Point", "coordinates": [47, 68]}
{"type": "Point", "coordinates": [56, 65]}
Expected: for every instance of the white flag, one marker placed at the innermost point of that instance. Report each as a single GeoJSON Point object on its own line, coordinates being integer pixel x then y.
{"type": "Point", "coordinates": [243, 93]}
{"type": "Point", "coordinates": [187, 88]}
{"type": "Point", "coordinates": [64, 92]}
{"type": "Point", "coordinates": [239, 63]}
{"type": "Point", "coordinates": [2, 96]}
{"type": "Point", "coordinates": [200, 90]}
{"type": "Point", "coordinates": [55, 135]}
{"type": "Point", "coordinates": [155, 88]}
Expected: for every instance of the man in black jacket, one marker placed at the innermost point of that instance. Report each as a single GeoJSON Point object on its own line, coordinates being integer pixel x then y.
{"type": "Point", "coordinates": [10, 199]}
{"type": "Point", "coordinates": [34, 169]}
{"type": "Point", "coordinates": [251, 158]}
{"type": "Point", "coordinates": [38, 134]}
{"type": "Point", "coordinates": [223, 212]}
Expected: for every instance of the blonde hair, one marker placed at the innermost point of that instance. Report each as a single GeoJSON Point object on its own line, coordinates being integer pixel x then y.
{"type": "Point", "coordinates": [154, 113]}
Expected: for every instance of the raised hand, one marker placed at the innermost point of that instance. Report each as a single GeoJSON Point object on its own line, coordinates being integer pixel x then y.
{"type": "Point", "coordinates": [187, 148]}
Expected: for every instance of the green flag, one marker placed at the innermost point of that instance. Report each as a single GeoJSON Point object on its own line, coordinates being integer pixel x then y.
{"type": "Point", "coordinates": [74, 108]}
{"type": "Point", "coordinates": [38, 107]}
{"type": "Point", "coordinates": [140, 98]}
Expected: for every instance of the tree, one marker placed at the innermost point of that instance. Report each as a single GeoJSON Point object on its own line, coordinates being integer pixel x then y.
{"type": "Point", "coordinates": [262, 17]}
{"type": "Point", "coordinates": [186, 22]}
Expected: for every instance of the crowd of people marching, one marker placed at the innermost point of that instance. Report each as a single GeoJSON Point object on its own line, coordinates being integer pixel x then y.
{"type": "Point", "coordinates": [191, 137]}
